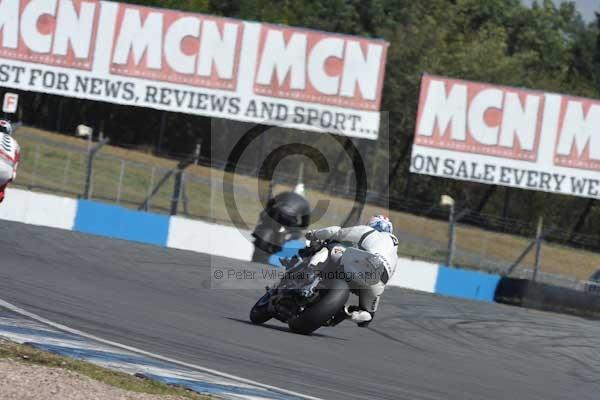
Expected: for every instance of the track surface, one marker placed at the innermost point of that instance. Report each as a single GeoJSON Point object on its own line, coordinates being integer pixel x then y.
{"type": "Point", "coordinates": [420, 347]}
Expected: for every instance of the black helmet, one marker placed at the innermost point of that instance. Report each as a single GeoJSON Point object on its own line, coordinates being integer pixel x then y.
{"type": "Point", "coordinates": [6, 127]}
{"type": "Point", "coordinates": [289, 209]}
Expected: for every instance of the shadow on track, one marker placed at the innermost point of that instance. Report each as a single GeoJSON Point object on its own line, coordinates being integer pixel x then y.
{"type": "Point", "coordinates": [283, 329]}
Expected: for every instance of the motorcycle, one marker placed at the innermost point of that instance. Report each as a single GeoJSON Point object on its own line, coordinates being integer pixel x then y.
{"type": "Point", "coordinates": [308, 296]}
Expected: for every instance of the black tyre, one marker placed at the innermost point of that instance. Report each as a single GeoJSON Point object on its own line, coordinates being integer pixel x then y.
{"type": "Point", "coordinates": [260, 312]}
{"type": "Point", "coordinates": [334, 295]}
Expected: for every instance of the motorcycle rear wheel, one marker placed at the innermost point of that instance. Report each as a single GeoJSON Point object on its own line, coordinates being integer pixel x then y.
{"type": "Point", "coordinates": [260, 312]}
{"type": "Point", "coordinates": [334, 294]}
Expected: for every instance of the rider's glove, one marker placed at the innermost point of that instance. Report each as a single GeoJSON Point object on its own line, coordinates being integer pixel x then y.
{"type": "Point", "coordinates": [310, 236]}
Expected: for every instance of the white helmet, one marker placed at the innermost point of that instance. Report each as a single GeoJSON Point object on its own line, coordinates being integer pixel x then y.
{"type": "Point", "coordinates": [381, 223]}
{"type": "Point", "coordinates": [5, 127]}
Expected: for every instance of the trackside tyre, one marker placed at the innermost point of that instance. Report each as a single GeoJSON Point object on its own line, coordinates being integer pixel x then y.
{"type": "Point", "coordinates": [260, 312]}
{"type": "Point", "coordinates": [334, 295]}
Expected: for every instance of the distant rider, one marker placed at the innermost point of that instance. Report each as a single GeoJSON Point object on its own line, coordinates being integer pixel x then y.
{"type": "Point", "coordinates": [9, 156]}
{"type": "Point", "coordinates": [376, 238]}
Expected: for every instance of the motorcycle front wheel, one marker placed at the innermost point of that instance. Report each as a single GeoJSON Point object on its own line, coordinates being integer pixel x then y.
{"type": "Point", "coordinates": [333, 296]}
{"type": "Point", "coordinates": [260, 312]}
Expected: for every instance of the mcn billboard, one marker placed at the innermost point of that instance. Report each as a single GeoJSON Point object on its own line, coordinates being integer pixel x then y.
{"type": "Point", "coordinates": [507, 136]}
{"type": "Point", "coordinates": [193, 63]}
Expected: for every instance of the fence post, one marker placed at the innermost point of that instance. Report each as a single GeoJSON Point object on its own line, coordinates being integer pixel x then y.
{"type": "Point", "coordinates": [538, 247]}
{"type": "Point", "coordinates": [451, 237]}
{"type": "Point", "coordinates": [447, 201]}
{"type": "Point", "coordinates": [176, 191]}
{"type": "Point", "coordinates": [120, 181]}
{"type": "Point", "coordinates": [90, 167]}
{"type": "Point", "coordinates": [150, 188]}
{"type": "Point", "coordinates": [177, 171]}
{"type": "Point", "coordinates": [197, 152]}
{"type": "Point", "coordinates": [348, 182]}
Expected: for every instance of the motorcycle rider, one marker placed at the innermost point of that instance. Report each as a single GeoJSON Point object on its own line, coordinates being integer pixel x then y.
{"type": "Point", "coordinates": [284, 219]}
{"type": "Point", "coordinates": [10, 154]}
{"type": "Point", "coordinates": [377, 238]}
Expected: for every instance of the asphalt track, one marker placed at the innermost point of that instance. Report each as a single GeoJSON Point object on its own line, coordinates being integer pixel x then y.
{"type": "Point", "coordinates": [420, 347]}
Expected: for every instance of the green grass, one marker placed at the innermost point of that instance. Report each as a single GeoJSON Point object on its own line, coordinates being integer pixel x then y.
{"type": "Point", "coordinates": [57, 163]}
{"type": "Point", "coordinates": [30, 355]}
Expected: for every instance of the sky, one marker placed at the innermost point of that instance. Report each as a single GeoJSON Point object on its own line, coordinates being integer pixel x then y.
{"type": "Point", "coordinates": [585, 7]}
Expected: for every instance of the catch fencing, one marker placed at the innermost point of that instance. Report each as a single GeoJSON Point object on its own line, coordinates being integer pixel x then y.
{"type": "Point", "coordinates": [128, 178]}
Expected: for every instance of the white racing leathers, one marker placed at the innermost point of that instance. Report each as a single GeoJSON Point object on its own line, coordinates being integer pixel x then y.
{"type": "Point", "coordinates": [383, 246]}
{"type": "Point", "coordinates": [9, 159]}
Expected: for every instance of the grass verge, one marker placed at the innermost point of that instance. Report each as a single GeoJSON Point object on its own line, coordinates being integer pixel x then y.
{"type": "Point", "coordinates": [30, 355]}
{"type": "Point", "coordinates": [56, 163]}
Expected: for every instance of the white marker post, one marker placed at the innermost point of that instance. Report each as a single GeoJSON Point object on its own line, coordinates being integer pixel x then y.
{"type": "Point", "coordinates": [10, 103]}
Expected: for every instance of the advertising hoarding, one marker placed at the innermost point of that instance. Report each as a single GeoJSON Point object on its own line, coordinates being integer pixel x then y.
{"type": "Point", "coordinates": [507, 136]}
{"type": "Point", "coordinates": [193, 63]}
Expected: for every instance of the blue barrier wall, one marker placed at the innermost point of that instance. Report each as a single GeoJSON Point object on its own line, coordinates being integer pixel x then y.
{"type": "Point", "coordinates": [466, 284]}
{"type": "Point", "coordinates": [119, 222]}
{"type": "Point", "coordinates": [123, 223]}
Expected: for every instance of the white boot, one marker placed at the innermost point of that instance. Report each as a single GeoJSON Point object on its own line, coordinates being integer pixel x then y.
{"type": "Point", "coordinates": [356, 315]}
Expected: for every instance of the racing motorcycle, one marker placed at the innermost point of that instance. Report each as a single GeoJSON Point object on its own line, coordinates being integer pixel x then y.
{"type": "Point", "coordinates": [312, 296]}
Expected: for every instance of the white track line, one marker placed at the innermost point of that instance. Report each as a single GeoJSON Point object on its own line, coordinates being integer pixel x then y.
{"type": "Point", "coordinates": [64, 328]}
